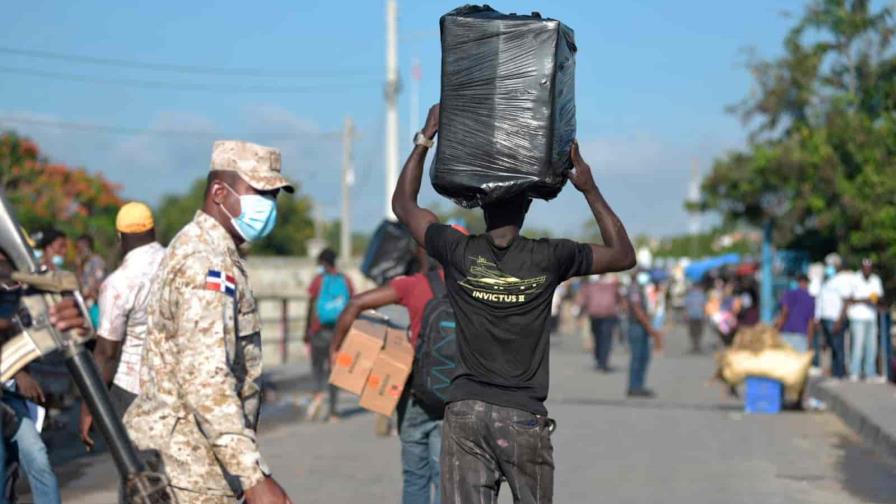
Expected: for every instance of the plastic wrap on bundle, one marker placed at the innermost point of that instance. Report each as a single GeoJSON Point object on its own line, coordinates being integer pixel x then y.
{"type": "Point", "coordinates": [508, 112]}
{"type": "Point", "coordinates": [389, 254]}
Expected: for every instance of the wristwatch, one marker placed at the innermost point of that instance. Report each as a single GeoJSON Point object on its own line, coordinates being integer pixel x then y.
{"type": "Point", "coordinates": [420, 139]}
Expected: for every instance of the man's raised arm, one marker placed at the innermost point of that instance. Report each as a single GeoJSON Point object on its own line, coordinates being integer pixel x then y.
{"type": "Point", "coordinates": [617, 253]}
{"type": "Point", "coordinates": [404, 201]}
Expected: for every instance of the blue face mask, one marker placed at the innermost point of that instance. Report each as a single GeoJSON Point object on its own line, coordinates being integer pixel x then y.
{"type": "Point", "coordinates": [830, 271]}
{"type": "Point", "coordinates": [58, 260]}
{"type": "Point", "coordinates": [257, 217]}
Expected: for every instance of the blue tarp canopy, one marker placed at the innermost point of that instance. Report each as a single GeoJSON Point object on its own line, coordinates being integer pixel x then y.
{"type": "Point", "coordinates": [697, 269]}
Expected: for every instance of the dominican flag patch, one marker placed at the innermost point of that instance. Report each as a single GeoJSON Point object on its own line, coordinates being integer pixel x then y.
{"type": "Point", "coordinates": [221, 282]}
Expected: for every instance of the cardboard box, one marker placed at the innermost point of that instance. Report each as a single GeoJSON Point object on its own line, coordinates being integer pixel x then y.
{"type": "Point", "coordinates": [357, 355]}
{"type": "Point", "coordinates": [374, 362]}
{"type": "Point", "coordinates": [389, 374]}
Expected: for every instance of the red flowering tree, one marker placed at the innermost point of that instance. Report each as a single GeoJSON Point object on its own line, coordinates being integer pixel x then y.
{"type": "Point", "coordinates": [46, 194]}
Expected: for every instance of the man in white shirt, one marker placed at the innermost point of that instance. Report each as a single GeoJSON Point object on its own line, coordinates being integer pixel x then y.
{"type": "Point", "coordinates": [866, 292]}
{"type": "Point", "coordinates": [830, 314]}
{"type": "Point", "coordinates": [123, 321]}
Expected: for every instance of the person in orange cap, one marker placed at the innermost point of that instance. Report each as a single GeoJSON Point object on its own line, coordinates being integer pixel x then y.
{"type": "Point", "coordinates": [123, 298]}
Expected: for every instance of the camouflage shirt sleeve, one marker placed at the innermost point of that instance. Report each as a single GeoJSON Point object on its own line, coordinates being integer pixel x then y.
{"type": "Point", "coordinates": [205, 327]}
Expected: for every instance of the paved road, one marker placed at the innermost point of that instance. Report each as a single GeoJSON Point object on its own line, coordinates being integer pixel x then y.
{"type": "Point", "coordinates": [690, 445]}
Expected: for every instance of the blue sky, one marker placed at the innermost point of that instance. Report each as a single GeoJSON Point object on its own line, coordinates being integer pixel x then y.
{"type": "Point", "coordinates": [653, 79]}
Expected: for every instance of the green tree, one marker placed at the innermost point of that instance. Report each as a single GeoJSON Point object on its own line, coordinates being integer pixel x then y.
{"type": "Point", "coordinates": [46, 194]}
{"type": "Point", "coordinates": [294, 222]}
{"type": "Point", "coordinates": [359, 239]}
{"type": "Point", "coordinates": [706, 244]}
{"type": "Point", "coordinates": [821, 161]}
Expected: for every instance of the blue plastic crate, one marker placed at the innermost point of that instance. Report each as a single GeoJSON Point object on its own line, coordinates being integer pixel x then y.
{"type": "Point", "coordinates": [763, 396]}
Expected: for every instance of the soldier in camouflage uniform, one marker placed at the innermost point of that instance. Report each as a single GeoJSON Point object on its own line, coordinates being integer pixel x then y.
{"type": "Point", "coordinates": [200, 381]}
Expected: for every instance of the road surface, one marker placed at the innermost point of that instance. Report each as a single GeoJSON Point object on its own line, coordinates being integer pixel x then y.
{"type": "Point", "coordinates": [689, 445]}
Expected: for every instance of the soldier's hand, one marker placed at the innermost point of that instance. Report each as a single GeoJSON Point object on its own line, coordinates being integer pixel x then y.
{"type": "Point", "coordinates": [29, 388]}
{"type": "Point", "coordinates": [84, 425]}
{"type": "Point", "coordinates": [66, 315]}
{"type": "Point", "coordinates": [267, 492]}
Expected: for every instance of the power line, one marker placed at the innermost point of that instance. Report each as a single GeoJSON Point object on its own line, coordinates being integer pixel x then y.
{"type": "Point", "coordinates": [124, 130]}
{"type": "Point", "coordinates": [150, 84]}
{"type": "Point", "coordinates": [175, 67]}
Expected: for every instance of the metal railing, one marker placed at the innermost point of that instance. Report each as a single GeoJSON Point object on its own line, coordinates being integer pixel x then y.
{"type": "Point", "coordinates": [288, 322]}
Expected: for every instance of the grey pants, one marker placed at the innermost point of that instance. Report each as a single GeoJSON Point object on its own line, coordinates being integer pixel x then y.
{"type": "Point", "coordinates": [484, 443]}
{"type": "Point", "coordinates": [320, 366]}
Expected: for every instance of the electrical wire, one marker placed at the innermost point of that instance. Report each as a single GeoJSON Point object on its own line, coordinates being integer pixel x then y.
{"type": "Point", "coordinates": [181, 68]}
{"type": "Point", "coordinates": [124, 130]}
{"type": "Point", "coordinates": [150, 84]}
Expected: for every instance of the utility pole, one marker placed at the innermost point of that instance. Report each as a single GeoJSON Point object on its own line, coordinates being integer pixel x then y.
{"type": "Point", "coordinates": [414, 117]}
{"type": "Point", "coordinates": [348, 179]}
{"type": "Point", "coordinates": [694, 197]}
{"type": "Point", "coordinates": [316, 245]}
{"type": "Point", "coordinates": [391, 149]}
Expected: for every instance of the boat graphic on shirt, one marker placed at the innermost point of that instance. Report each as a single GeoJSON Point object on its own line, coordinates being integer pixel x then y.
{"type": "Point", "coordinates": [486, 282]}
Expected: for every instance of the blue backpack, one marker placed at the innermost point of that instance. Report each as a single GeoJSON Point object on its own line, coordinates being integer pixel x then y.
{"type": "Point", "coordinates": [333, 298]}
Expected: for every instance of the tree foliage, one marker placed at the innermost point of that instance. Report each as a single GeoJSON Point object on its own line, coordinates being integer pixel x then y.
{"type": "Point", "coordinates": [715, 242]}
{"type": "Point", "coordinates": [294, 222]}
{"type": "Point", "coordinates": [46, 194]}
{"type": "Point", "coordinates": [821, 161]}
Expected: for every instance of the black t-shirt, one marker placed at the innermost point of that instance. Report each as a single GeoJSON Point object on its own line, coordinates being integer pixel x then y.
{"type": "Point", "coordinates": [502, 301]}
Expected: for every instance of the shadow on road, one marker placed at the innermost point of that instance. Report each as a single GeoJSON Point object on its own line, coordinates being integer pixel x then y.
{"type": "Point", "coordinates": [867, 474]}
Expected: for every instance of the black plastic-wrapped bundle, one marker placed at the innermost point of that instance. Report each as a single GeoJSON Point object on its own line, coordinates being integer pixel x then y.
{"type": "Point", "coordinates": [389, 254]}
{"type": "Point", "coordinates": [508, 115]}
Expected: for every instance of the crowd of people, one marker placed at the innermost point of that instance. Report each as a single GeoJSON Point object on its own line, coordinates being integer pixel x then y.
{"type": "Point", "coordinates": [179, 346]}
{"type": "Point", "coordinates": [837, 313]}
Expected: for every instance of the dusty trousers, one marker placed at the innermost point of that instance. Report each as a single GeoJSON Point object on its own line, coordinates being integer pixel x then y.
{"type": "Point", "coordinates": [484, 443]}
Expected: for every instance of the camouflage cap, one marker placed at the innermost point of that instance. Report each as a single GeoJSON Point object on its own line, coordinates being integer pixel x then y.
{"type": "Point", "coordinates": [256, 164]}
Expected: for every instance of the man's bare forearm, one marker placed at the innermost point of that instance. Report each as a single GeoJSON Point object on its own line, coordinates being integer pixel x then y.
{"type": "Point", "coordinates": [107, 353]}
{"type": "Point", "coordinates": [408, 187]}
{"type": "Point", "coordinates": [620, 252]}
{"type": "Point", "coordinates": [611, 229]}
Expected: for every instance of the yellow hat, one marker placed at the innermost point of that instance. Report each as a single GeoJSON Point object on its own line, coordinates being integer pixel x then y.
{"type": "Point", "coordinates": [134, 217]}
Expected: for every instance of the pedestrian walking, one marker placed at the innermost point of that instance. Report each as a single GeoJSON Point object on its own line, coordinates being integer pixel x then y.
{"type": "Point", "coordinates": [599, 299]}
{"type": "Point", "coordinates": [123, 300]}
{"type": "Point", "coordinates": [695, 313]}
{"type": "Point", "coordinates": [328, 295]}
{"type": "Point", "coordinates": [830, 315]}
{"type": "Point", "coordinates": [200, 387]}
{"type": "Point", "coordinates": [796, 317]}
{"type": "Point", "coordinates": [640, 332]}
{"type": "Point", "coordinates": [91, 273]}
{"type": "Point", "coordinates": [865, 294]}
{"type": "Point", "coordinates": [501, 285]}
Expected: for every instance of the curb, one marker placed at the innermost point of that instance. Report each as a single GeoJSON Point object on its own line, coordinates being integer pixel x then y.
{"type": "Point", "coordinates": [880, 437]}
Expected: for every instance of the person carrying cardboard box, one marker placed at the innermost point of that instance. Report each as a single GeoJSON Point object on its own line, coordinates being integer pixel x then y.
{"type": "Point", "coordinates": [419, 429]}
{"type": "Point", "coordinates": [500, 285]}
